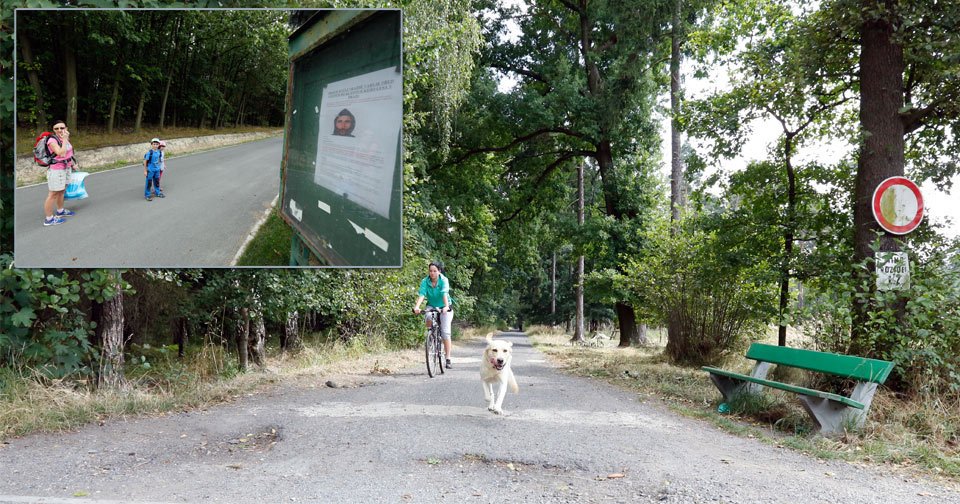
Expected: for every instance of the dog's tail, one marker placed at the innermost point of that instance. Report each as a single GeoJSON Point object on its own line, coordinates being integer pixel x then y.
{"type": "Point", "coordinates": [489, 337]}
{"type": "Point", "coordinates": [513, 384]}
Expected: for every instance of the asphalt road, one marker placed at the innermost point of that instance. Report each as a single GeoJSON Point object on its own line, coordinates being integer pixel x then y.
{"type": "Point", "coordinates": [214, 199]}
{"type": "Point", "coordinates": [403, 437]}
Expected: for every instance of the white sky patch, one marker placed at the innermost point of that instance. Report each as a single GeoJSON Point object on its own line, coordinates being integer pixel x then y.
{"type": "Point", "coordinates": [939, 206]}
{"type": "Point", "coordinates": [507, 81]}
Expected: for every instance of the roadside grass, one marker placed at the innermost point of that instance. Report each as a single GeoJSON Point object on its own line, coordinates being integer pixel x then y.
{"type": "Point", "coordinates": [159, 382]}
{"type": "Point", "coordinates": [472, 333]}
{"type": "Point", "coordinates": [270, 246]}
{"type": "Point", "coordinates": [94, 137]}
{"type": "Point", "coordinates": [921, 433]}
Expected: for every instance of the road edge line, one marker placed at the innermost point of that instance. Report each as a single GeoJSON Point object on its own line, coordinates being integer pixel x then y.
{"type": "Point", "coordinates": [253, 232]}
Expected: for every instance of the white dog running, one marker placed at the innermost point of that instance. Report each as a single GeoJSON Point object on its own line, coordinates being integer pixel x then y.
{"type": "Point", "coordinates": [495, 370]}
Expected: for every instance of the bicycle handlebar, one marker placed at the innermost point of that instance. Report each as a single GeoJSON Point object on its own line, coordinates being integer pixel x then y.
{"type": "Point", "coordinates": [430, 309]}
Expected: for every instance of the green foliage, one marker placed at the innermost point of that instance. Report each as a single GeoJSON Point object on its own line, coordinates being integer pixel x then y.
{"type": "Point", "coordinates": [271, 245]}
{"type": "Point", "coordinates": [924, 341]}
{"type": "Point", "coordinates": [191, 66]}
{"type": "Point", "coordinates": [440, 40]}
{"type": "Point", "coordinates": [101, 285]}
{"type": "Point", "coordinates": [720, 300]}
{"type": "Point", "coordinates": [41, 326]}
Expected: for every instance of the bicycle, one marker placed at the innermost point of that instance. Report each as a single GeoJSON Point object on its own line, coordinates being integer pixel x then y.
{"type": "Point", "coordinates": [433, 346]}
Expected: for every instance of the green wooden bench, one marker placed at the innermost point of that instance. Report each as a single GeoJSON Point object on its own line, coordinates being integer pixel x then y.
{"type": "Point", "coordinates": [830, 412]}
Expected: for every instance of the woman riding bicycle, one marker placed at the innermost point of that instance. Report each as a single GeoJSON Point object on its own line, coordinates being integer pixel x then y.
{"type": "Point", "coordinates": [435, 288]}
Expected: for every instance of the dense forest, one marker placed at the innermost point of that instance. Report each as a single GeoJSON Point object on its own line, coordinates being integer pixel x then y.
{"type": "Point", "coordinates": [546, 198]}
{"type": "Point", "coordinates": [120, 69]}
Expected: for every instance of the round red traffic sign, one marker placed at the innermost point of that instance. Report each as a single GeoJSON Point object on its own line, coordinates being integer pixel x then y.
{"type": "Point", "coordinates": [898, 205]}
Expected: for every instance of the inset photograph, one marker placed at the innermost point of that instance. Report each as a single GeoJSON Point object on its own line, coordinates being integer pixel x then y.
{"type": "Point", "coordinates": [166, 139]}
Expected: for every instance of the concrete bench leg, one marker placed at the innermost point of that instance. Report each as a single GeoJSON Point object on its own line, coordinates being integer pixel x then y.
{"type": "Point", "coordinates": [831, 417]}
{"type": "Point", "coordinates": [731, 387]}
{"type": "Point", "coordinates": [828, 416]}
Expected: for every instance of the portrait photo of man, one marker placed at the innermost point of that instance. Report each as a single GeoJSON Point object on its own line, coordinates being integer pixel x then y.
{"type": "Point", "coordinates": [344, 123]}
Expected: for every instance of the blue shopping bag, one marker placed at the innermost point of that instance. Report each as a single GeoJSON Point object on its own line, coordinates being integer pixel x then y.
{"type": "Point", "coordinates": [75, 187]}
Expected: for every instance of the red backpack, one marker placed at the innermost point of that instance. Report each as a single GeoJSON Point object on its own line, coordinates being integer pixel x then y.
{"type": "Point", "coordinates": [41, 153]}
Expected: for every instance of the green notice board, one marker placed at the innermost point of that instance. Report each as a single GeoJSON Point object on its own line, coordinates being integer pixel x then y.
{"type": "Point", "coordinates": [341, 188]}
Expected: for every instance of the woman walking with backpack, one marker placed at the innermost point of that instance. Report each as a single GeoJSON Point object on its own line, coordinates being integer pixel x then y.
{"type": "Point", "coordinates": [57, 174]}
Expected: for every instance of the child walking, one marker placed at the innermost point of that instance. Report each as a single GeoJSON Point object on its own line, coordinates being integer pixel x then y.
{"type": "Point", "coordinates": [151, 170]}
{"type": "Point", "coordinates": [163, 164]}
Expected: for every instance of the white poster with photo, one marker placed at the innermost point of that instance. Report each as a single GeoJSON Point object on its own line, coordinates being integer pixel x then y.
{"type": "Point", "coordinates": [360, 121]}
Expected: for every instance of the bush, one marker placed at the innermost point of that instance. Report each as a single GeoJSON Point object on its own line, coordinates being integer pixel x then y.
{"type": "Point", "coordinates": [41, 326]}
{"type": "Point", "coordinates": [713, 299]}
{"type": "Point", "coordinates": [923, 339]}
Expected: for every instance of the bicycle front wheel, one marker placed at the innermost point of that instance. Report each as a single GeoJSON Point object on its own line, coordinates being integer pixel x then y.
{"type": "Point", "coordinates": [439, 345]}
{"type": "Point", "coordinates": [431, 352]}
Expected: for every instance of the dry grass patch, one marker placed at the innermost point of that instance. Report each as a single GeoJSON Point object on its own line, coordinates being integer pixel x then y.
{"type": "Point", "coordinates": [476, 333]}
{"type": "Point", "coordinates": [207, 376]}
{"type": "Point", "coordinates": [921, 433]}
{"type": "Point", "coordinates": [643, 369]}
{"type": "Point", "coordinates": [343, 359]}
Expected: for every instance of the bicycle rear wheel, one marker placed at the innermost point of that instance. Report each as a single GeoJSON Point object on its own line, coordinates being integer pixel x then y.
{"type": "Point", "coordinates": [431, 354]}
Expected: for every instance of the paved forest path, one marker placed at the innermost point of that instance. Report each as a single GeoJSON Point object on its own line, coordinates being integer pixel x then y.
{"type": "Point", "coordinates": [403, 437]}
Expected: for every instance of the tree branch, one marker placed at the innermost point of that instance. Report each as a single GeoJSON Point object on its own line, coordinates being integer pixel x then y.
{"type": "Point", "coordinates": [542, 177]}
{"type": "Point", "coordinates": [522, 71]}
{"type": "Point", "coordinates": [517, 141]}
{"type": "Point", "coordinates": [572, 6]}
{"type": "Point", "coordinates": [914, 118]}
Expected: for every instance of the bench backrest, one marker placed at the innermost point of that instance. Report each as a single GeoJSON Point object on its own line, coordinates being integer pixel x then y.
{"type": "Point", "coordinates": [858, 368]}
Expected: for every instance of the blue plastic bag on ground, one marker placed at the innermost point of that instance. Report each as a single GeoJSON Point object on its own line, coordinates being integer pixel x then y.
{"type": "Point", "coordinates": [75, 187]}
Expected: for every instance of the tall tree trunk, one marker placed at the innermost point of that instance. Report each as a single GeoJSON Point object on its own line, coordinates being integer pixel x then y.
{"type": "Point", "coordinates": [553, 289]}
{"type": "Point", "coordinates": [139, 123]}
{"type": "Point", "coordinates": [243, 103]}
{"type": "Point", "coordinates": [882, 151]}
{"type": "Point", "coordinates": [578, 326]}
{"type": "Point", "coordinates": [629, 330]}
{"type": "Point", "coordinates": [258, 341]}
{"type": "Point", "coordinates": [183, 336]}
{"type": "Point", "coordinates": [70, 79]}
{"type": "Point", "coordinates": [34, 78]}
{"type": "Point", "coordinates": [217, 122]}
{"type": "Point", "coordinates": [604, 156]}
{"type": "Point", "coordinates": [170, 69]}
{"type": "Point", "coordinates": [243, 337]}
{"type": "Point", "coordinates": [788, 234]}
{"type": "Point", "coordinates": [291, 332]}
{"type": "Point", "coordinates": [259, 336]}
{"type": "Point", "coordinates": [114, 97]}
{"type": "Point", "coordinates": [163, 105]}
{"type": "Point", "coordinates": [111, 353]}
{"type": "Point", "coordinates": [642, 333]}
{"type": "Point", "coordinates": [676, 164]}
